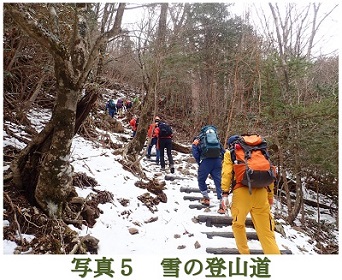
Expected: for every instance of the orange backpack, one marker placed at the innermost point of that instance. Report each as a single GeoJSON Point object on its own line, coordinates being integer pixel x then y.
{"type": "Point", "coordinates": [252, 165]}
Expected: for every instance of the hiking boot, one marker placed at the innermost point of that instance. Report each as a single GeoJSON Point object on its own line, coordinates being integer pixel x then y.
{"type": "Point", "coordinates": [205, 201]}
{"type": "Point", "coordinates": [172, 169]}
{"type": "Point", "coordinates": [222, 208]}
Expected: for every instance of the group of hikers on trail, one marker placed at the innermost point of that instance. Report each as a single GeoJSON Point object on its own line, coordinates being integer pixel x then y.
{"type": "Point", "coordinates": [118, 107]}
{"type": "Point", "coordinates": [243, 169]}
{"type": "Point", "coordinates": [160, 137]}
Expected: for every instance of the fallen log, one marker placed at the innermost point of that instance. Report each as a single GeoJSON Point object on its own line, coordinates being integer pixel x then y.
{"type": "Point", "coordinates": [250, 235]}
{"type": "Point", "coordinates": [219, 221]}
{"type": "Point", "coordinates": [181, 148]}
{"type": "Point", "coordinates": [234, 251]}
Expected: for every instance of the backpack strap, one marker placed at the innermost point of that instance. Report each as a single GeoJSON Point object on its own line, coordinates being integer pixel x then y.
{"type": "Point", "coordinates": [233, 158]}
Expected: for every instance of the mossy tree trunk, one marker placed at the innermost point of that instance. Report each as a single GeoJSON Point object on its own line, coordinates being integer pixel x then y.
{"type": "Point", "coordinates": [54, 183]}
{"type": "Point", "coordinates": [43, 168]}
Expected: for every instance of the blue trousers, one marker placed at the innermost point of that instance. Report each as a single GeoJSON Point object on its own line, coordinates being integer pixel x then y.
{"type": "Point", "coordinates": [112, 112]}
{"type": "Point", "coordinates": [213, 167]}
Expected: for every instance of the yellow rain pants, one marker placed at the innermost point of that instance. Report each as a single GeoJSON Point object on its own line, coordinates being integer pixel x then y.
{"type": "Point", "coordinates": [258, 206]}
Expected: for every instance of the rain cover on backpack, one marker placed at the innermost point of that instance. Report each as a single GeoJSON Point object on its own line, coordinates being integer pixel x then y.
{"type": "Point", "coordinates": [252, 166]}
{"type": "Point", "coordinates": [209, 142]}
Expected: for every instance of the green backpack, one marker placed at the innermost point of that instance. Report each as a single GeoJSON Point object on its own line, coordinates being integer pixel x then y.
{"type": "Point", "coordinates": [112, 104]}
{"type": "Point", "coordinates": [209, 142]}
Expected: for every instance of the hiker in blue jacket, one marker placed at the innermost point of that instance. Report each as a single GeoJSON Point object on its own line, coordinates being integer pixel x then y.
{"type": "Point", "coordinates": [208, 166]}
{"type": "Point", "coordinates": [111, 107]}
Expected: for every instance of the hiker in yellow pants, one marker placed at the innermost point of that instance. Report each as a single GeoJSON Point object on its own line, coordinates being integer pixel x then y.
{"type": "Point", "coordinates": [257, 204]}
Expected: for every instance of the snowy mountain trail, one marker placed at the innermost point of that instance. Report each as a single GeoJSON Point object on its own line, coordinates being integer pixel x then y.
{"type": "Point", "coordinates": [135, 221]}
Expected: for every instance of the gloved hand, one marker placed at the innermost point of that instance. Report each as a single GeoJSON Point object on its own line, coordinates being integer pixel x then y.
{"type": "Point", "coordinates": [225, 201]}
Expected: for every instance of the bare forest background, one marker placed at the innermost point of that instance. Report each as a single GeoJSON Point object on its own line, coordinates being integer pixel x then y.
{"type": "Point", "coordinates": [190, 63]}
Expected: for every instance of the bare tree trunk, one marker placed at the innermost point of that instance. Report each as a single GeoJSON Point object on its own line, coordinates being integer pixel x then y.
{"type": "Point", "coordinates": [159, 53]}
{"type": "Point", "coordinates": [315, 26]}
{"type": "Point", "coordinates": [107, 13]}
{"type": "Point", "coordinates": [281, 45]}
{"type": "Point", "coordinates": [232, 104]}
{"type": "Point", "coordinates": [284, 177]}
{"type": "Point", "coordinates": [195, 98]}
{"type": "Point", "coordinates": [299, 187]}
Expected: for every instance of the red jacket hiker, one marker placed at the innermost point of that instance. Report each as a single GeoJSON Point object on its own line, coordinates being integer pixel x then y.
{"type": "Point", "coordinates": [134, 124]}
